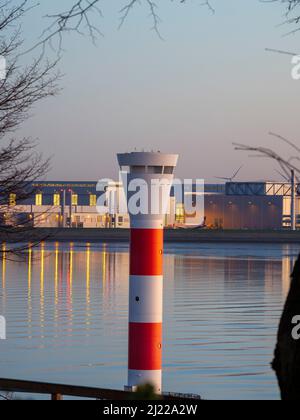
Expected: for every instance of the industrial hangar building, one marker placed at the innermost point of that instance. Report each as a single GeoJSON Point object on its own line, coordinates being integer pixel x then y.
{"type": "Point", "coordinates": [251, 205]}
{"type": "Point", "coordinates": [234, 205]}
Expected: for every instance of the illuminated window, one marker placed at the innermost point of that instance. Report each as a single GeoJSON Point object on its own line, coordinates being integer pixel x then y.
{"type": "Point", "coordinates": [56, 200]}
{"type": "Point", "coordinates": [12, 200]}
{"type": "Point", "coordinates": [93, 200]}
{"type": "Point", "coordinates": [39, 200]}
{"type": "Point", "coordinates": [180, 213]}
{"type": "Point", "coordinates": [74, 200]}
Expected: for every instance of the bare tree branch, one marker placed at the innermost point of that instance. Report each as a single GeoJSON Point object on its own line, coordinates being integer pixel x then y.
{"type": "Point", "coordinates": [80, 18]}
{"type": "Point", "coordinates": [292, 12]}
{"type": "Point", "coordinates": [124, 12]}
{"type": "Point", "coordinates": [23, 87]}
{"type": "Point", "coordinates": [286, 164]}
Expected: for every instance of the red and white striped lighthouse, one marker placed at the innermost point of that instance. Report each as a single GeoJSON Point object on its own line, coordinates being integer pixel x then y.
{"type": "Point", "coordinates": [148, 179]}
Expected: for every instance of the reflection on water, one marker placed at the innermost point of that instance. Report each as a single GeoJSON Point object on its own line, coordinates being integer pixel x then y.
{"type": "Point", "coordinates": [66, 311]}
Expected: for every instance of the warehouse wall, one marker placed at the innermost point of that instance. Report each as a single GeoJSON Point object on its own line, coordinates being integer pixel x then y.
{"type": "Point", "coordinates": [244, 212]}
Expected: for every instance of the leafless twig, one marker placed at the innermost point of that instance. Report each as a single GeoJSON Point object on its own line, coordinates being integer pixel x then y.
{"type": "Point", "coordinates": [23, 87]}
{"type": "Point", "coordinates": [286, 164]}
{"type": "Point", "coordinates": [80, 18]}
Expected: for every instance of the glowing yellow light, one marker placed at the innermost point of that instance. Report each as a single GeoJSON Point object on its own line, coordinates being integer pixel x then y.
{"type": "Point", "coordinates": [56, 200]}
{"type": "Point", "coordinates": [287, 264]}
{"type": "Point", "coordinates": [29, 292]}
{"type": "Point", "coordinates": [104, 266]}
{"type": "Point", "coordinates": [39, 200]}
{"type": "Point", "coordinates": [93, 200]}
{"type": "Point", "coordinates": [74, 200]}
{"type": "Point", "coordinates": [88, 273]}
{"type": "Point", "coordinates": [71, 269]}
{"type": "Point", "coordinates": [42, 296]}
{"type": "Point", "coordinates": [56, 273]}
{"type": "Point", "coordinates": [12, 200]}
{"type": "Point", "coordinates": [29, 271]}
{"type": "Point", "coordinates": [42, 266]}
{"type": "Point", "coordinates": [3, 266]}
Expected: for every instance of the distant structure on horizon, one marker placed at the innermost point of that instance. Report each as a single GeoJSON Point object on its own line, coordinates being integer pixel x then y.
{"type": "Point", "coordinates": [234, 205]}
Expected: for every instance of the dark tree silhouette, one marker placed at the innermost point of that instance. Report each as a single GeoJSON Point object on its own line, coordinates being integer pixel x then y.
{"type": "Point", "coordinates": [286, 363]}
{"type": "Point", "coordinates": [22, 88]}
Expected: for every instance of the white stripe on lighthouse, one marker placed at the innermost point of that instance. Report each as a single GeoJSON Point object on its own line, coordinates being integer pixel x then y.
{"type": "Point", "coordinates": [146, 299]}
{"type": "Point", "coordinates": [142, 377]}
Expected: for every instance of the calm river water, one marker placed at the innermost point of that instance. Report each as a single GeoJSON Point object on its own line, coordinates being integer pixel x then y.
{"type": "Point", "coordinates": [66, 311]}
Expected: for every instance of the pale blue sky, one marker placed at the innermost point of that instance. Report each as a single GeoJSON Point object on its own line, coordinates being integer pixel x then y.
{"type": "Point", "coordinates": [209, 83]}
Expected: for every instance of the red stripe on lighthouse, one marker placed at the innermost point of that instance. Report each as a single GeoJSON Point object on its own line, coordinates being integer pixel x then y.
{"type": "Point", "coordinates": [146, 252]}
{"type": "Point", "coordinates": [145, 346]}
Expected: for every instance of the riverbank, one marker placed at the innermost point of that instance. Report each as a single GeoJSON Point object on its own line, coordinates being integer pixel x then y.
{"type": "Point", "coordinates": [171, 236]}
